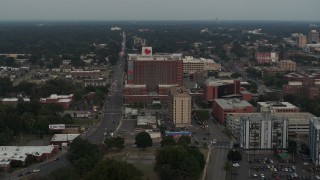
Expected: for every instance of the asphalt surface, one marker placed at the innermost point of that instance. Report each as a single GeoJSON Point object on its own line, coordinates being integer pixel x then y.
{"type": "Point", "coordinates": [219, 151]}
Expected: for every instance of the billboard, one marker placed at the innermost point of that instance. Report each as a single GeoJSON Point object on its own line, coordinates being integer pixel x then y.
{"type": "Point", "coordinates": [57, 126]}
{"type": "Point", "coordinates": [147, 51]}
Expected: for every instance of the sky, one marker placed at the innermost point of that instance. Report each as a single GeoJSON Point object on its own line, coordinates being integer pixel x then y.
{"type": "Point", "coordinates": [301, 10]}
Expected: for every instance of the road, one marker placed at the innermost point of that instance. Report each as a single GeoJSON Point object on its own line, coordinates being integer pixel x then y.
{"type": "Point", "coordinates": [219, 151]}
{"type": "Point", "coordinates": [112, 107]}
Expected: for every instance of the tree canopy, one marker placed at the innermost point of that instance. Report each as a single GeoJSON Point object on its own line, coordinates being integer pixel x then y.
{"type": "Point", "coordinates": [143, 140]}
{"type": "Point", "coordinates": [112, 169]}
{"type": "Point", "coordinates": [175, 162]}
{"type": "Point", "coordinates": [83, 155]}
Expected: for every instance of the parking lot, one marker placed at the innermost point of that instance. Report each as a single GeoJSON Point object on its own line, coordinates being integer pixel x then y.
{"type": "Point", "coordinates": [266, 166]}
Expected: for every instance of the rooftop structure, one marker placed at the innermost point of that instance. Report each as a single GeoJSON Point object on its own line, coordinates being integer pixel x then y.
{"type": "Point", "coordinates": [278, 106]}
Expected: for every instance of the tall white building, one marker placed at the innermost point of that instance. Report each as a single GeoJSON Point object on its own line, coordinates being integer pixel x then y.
{"type": "Point", "coordinates": [263, 132]}
{"type": "Point", "coordinates": [314, 137]}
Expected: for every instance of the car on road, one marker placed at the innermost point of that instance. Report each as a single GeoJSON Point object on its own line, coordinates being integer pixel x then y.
{"type": "Point", "coordinates": [36, 170]}
{"type": "Point", "coordinates": [236, 164]}
{"type": "Point", "coordinates": [20, 175]}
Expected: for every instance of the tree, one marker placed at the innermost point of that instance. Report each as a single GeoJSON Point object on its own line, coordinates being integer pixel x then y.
{"type": "Point", "coordinates": [184, 140]}
{"type": "Point", "coordinates": [234, 155]}
{"type": "Point", "coordinates": [143, 140]}
{"type": "Point", "coordinates": [117, 142]}
{"type": "Point", "coordinates": [168, 141]}
{"type": "Point", "coordinates": [112, 169]}
{"type": "Point", "coordinates": [305, 149]}
{"type": "Point", "coordinates": [178, 162]}
{"type": "Point", "coordinates": [235, 75]}
{"type": "Point", "coordinates": [5, 86]}
{"type": "Point", "coordinates": [83, 155]}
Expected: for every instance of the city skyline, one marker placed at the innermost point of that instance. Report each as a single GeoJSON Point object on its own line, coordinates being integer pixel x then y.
{"type": "Point", "coordinates": [159, 10]}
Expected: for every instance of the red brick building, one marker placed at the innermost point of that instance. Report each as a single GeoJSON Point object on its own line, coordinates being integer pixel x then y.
{"type": "Point", "coordinates": [149, 77]}
{"type": "Point", "coordinates": [267, 57]}
{"type": "Point", "coordinates": [216, 88]}
{"type": "Point", "coordinates": [63, 100]}
{"type": "Point", "coordinates": [222, 107]}
{"type": "Point", "coordinates": [307, 84]}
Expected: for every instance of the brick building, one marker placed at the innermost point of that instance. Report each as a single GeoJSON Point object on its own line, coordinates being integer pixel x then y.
{"type": "Point", "coordinates": [267, 57]}
{"type": "Point", "coordinates": [287, 65]}
{"type": "Point", "coordinates": [217, 88]}
{"type": "Point", "coordinates": [307, 84]}
{"type": "Point", "coordinates": [63, 100]}
{"type": "Point", "coordinates": [222, 107]}
{"type": "Point", "coordinates": [149, 76]}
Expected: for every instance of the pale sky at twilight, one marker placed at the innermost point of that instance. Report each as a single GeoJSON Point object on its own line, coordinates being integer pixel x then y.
{"type": "Point", "coordinates": [160, 10]}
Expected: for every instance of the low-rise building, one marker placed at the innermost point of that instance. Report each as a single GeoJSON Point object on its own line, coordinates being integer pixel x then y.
{"type": "Point", "coordinates": [20, 153]}
{"type": "Point", "coordinates": [63, 139]}
{"type": "Point", "coordinates": [277, 106]}
{"type": "Point", "coordinates": [63, 100]}
{"type": "Point", "coordinates": [287, 65]}
{"type": "Point", "coordinates": [192, 65]}
{"type": "Point", "coordinates": [13, 100]}
{"type": "Point", "coordinates": [267, 57]}
{"type": "Point", "coordinates": [147, 123]}
{"type": "Point", "coordinates": [222, 107]}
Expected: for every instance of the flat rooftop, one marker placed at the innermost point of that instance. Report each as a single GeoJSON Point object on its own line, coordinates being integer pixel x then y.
{"type": "Point", "coordinates": [8, 153]}
{"type": "Point", "coordinates": [145, 120]}
{"type": "Point", "coordinates": [179, 92]}
{"type": "Point", "coordinates": [64, 137]}
{"type": "Point", "coordinates": [277, 105]}
{"type": "Point", "coordinates": [218, 82]}
{"type": "Point", "coordinates": [232, 103]}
